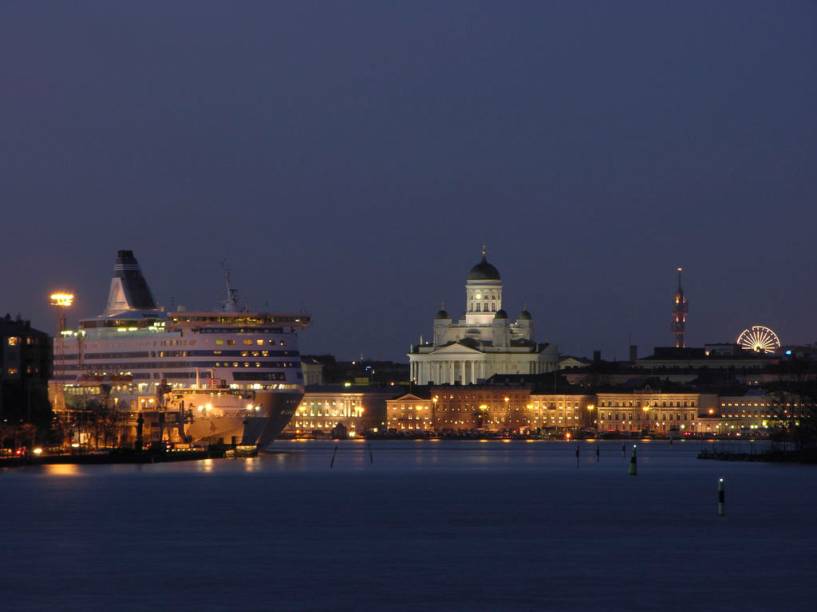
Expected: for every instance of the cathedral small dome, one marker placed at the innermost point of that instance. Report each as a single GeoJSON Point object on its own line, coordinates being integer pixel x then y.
{"type": "Point", "coordinates": [525, 316]}
{"type": "Point", "coordinates": [442, 314]}
{"type": "Point", "coordinates": [501, 314]}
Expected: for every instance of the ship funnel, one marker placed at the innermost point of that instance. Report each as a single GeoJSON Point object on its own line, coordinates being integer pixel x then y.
{"type": "Point", "coordinates": [129, 289]}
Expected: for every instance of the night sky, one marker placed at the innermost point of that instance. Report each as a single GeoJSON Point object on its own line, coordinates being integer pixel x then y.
{"type": "Point", "coordinates": [350, 158]}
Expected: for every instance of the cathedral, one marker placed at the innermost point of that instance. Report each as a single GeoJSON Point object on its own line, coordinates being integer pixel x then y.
{"type": "Point", "coordinates": [484, 343]}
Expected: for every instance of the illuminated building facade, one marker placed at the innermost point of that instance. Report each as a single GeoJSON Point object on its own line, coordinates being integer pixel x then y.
{"type": "Point", "coordinates": [651, 412]}
{"type": "Point", "coordinates": [521, 410]}
{"type": "Point", "coordinates": [480, 408]}
{"type": "Point", "coordinates": [485, 342]}
{"type": "Point", "coordinates": [358, 410]}
{"type": "Point", "coordinates": [679, 314]}
{"type": "Point", "coordinates": [411, 413]}
{"type": "Point", "coordinates": [561, 412]}
{"type": "Point", "coordinates": [753, 413]}
{"type": "Point", "coordinates": [489, 409]}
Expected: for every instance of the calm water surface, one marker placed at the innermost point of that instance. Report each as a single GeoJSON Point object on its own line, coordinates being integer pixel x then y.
{"type": "Point", "coordinates": [425, 525]}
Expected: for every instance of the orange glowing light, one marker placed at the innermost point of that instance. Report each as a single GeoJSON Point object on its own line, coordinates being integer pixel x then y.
{"type": "Point", "coordinates": [62, 299]}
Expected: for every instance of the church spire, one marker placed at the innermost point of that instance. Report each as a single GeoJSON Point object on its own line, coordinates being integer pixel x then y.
{"type": "Point", "coordinates": [484, 251]}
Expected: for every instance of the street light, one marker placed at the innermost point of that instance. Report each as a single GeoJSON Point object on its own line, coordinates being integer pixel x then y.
{"type": "Point", "coordinates": [62, 299]}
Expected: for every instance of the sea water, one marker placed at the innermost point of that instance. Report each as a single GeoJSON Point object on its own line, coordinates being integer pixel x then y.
{"type": "Point", "coordinates": [404, 525]}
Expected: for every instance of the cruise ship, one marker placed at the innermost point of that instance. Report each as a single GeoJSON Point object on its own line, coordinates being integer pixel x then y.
{"type": "Point", "coordinates": [224, 376]}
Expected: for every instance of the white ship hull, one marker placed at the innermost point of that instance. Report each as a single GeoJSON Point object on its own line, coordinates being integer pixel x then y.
{"type": "Point", "coordinates": [232, 422]}
{"type": "Point", "coordinates": [137, 358]}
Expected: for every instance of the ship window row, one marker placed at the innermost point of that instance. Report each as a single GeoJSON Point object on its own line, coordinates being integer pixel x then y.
{"type": "Point", "coordinates": [227, 353]}
{"type": "Point", "coordinates": [215, 353]}
{"type": "Point", "coordinates": [259, 376]}
{"type": "Point", "coordinates": [240, 330]}
{"type": "Point", "coordinates": [243, 376]}
{"type": "Point", "coordinates": [159, 365]}
{"type": "Point", "coordinates": [250, 342]}
{"type": "Point", "coordinates": [130, 355]}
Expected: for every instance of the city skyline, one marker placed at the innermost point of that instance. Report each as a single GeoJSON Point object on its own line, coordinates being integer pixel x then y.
{"type": "Point", "coordinates": [356, 177]}
{"type": "Point", "coordinates": [451, 305]}
{"type": "Point", "coordinates": [226, 272]}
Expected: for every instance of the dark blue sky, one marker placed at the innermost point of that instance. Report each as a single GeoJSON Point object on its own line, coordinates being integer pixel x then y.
{"type": "Point", "coordinates": [350, 158]}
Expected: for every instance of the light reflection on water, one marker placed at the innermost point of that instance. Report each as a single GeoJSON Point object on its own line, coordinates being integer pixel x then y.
{"type": "Point", "coordinates": [384, 456]}
{"type": "Point", "coordinates": [62, 469]}
{"type": "Point", "coordinates": [521, 513]}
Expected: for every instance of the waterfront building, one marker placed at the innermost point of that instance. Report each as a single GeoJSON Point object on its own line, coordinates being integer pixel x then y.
{"type": "Point", "coordinates": [754, 412]}
{"type": "Point", "coordinates": [411, 413]}
{"type": "Point", "coordinates": [523, 406]}
{"type": "Point", "coordinates": [487, 408]}
{"type": "Point", "coordinates": [356, 409]}
{"type": "Point", "coordinates": [25, 367]}
{"type": "Point", "coordinates": [485, 342]}
{"type": "Point", "coordinates": [651, 412]}
{"type": "Point", "coordinates": [561, 412]}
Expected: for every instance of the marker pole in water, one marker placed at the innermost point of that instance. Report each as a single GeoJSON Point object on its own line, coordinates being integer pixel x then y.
{"type": "Point", "coordinates": [721, 497]}
{"type": "Point", "coordinates": [334, 452]}
{"type": "Point", "coordinates": [577, 455]}
{"type": "Point", "coordinates": [632, 470]}
{"type": "Point", "coordinates": [371, 454]}
{"type": "Point", "coordinates": [598, 453]}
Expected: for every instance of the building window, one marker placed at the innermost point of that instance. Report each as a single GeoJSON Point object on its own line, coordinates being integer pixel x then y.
{"type": "Point", "coordinates": [13, 341]}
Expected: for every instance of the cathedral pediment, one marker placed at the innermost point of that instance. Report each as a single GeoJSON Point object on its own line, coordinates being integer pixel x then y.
{"type": "Point", "coordinates": [456, 348]}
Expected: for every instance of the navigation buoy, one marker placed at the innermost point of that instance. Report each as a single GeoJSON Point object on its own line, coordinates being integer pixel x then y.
{"type": "Point", "coordinates": [632, 470]}
{"type": "Point", "coordinates": [721, 497]}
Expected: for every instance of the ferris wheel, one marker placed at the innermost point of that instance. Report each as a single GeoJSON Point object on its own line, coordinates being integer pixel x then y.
{"type": "Point", "coordinates": [760, 339]}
